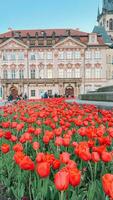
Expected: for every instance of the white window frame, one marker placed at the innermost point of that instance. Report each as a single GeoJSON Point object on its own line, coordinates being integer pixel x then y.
{"type": "Point", "coordinates": [12, 56]}
{"type": "Point", "coordinates": [13, 73]}
{"type": "Point", "coordinates": [32, 56]}
{"type": "Point", "coordinates": [69, 73]}
{"type": "Point", "coordinates": [49, 73]}
{"type": "Point", "coordinates": [61, 55]}
{"type": "Point", "coordinates": [97, 72]}
{"type": "Point", "coordinates": [77, 73]}
{"type": "Point", "coordinates": [97, 55]}
{"type": "Point", "coordinates": [41, 73]}
{"type": "Point", "coordinates": [49, 55]}
{"type": "Point", "coordinates": [21, 73]}
{"type": "Point", "coordinates": [61, 73]}
{"type": "Point", "coordinates": [33, 93]}
{"type": "Point", "coordinates": [5, 73]}
{"type": "Point", "coordinates": [69, 55]}
{"type": "Point", "coordinates": [88, 54]}
{"type": "Point", "coordinates": [41, 55]}
{"type": "Point", "coordinates": [77, 54]}
{"type": "Point", "coordinates": [88, 73]}
{"type": "Point", "coordinates": [20, 56]}
{"type": "Point", "coordinates": [33, 73]}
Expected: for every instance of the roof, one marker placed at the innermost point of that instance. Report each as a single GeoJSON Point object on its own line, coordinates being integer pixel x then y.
{"type": "Point", "coordinates": [49, 32]}
{"type": "Point", "coordinates": [83, 37]}
{"type": "Point", "coordinates": [101, 30]}
{"type": "Point", "coordinates": [108, 5]}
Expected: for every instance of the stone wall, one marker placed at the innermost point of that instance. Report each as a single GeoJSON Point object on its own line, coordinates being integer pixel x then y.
{"type": "Point", "coordinates": [97, 96]}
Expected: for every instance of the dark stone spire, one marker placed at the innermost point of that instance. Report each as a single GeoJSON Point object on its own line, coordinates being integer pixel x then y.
{"type": "Point", "coordinates": [98, 15]}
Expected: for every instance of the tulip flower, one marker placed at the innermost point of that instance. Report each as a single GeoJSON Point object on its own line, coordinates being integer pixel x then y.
{"type": "Point", "coordinates": [5, 148]}
{"type": "Point", "coordinates": [43, 169]}
{"type": "Point", "coordinates": [61, 180]}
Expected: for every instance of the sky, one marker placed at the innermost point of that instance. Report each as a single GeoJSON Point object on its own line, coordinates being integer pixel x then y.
{"type": "Point", "coordinates": [43, 14]}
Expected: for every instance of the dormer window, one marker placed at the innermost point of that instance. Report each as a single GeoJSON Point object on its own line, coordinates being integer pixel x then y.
{"type": "Point", "coordinates": [93, 38]}
{"type": "Point", "coordinates": [42, 33]}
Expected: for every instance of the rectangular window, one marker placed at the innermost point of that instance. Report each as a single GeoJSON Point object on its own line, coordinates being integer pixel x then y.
{"type": "Point", "coordinates": [32, 42]}
{"type": "Point", "coordinates": [32, 93]}
{"type": "Point", "coordinates": [32, 57]}
{"type": "Point", "coordinates": [77, 73]}
{"type": "Point", "coordinates": [49, 55]}
{"type": "Point", "coordinates": [13, 74]}
{"type": "Point", "coordinates": [5, 56]}
{"type": "Point", "coordinates": [88, 73]}
{"type": "Point", "coordinates": [40, 42]}
{"type": "Point", "coordinates": [5, 75]}
{"type": "Point", "coordinates": [97, 73]}
{"type": "Point", "coordinates": [21, 73]}
{"type": "Point", "coordinates": [32, 73]}
{"type": "Point", "coordinates": [88, 55]}
{"type": "Point", "coordinates": [49, 73]}
{"type": "Point", "coordinates": [41, 73]}
{"type": "Point", "coordinates": [49, 42]}
{"type": "Point", "coordinates": [69, 73]}
{"type": "Point", "coordinates": [12, 56]}
{"type": "Point", "coordinates": [69, 55]}
{"type": "Point", "coordinates": [97, 55]}
{"type": "Point", "coordinates": [61, 73]}
{"type": "Point", "coordinates": [49, 93]}
{"type": "Point", "coordinates": [40, 55]}
{"type": "Point", "coordinates": [21, 56]}
{"type": "Point", "coordinates": [61, 55]}
{"type": "Point", "coordinates": [77, 54]}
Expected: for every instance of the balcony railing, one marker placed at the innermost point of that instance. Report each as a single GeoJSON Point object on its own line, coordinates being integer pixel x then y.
{"type": "Point", "coordinates": [41, 81]}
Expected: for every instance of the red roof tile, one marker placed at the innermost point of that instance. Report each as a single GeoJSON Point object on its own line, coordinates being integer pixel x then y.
{"type": "Point", "coordinates": [82, 36]}
{"type": "Point", "coordinates": [49, 32]}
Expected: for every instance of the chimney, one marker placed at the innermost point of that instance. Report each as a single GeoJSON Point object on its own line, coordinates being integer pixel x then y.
{"type": "Point", "coordinates": [10, 29]}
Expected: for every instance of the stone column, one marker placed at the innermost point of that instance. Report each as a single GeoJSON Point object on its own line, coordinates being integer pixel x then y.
{"type": "Point", "coordinates": [75, 89]}
{"type": "Point", "coordinates": [3, 91]}
{"type": "Point", "coordinates": [28, 91]}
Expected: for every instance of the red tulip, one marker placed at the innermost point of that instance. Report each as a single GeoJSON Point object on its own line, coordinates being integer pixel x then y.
{"type": "Point", "coordinates": [43, 169]}
{"type": "Point", "coordinates": [61, 180]}
{"type": "Point", "coordinates": [74, 177]}
{"type": "Point", "coordinates": [36, 146]}
{"type": "Point", "coordinates": [18, 147]}
{"type": "Point", "coordinates": [107, 183]}
{"type": "Point", "coordinates": [56, 164]}
{"type": "Point", "coordinates": [27, 164]}
{"type": "Point", "coordinates": [95, 157]}
{"type": "Point", "coordinates": [40, 157]}
{"type": "Point", "coordinates": [5, 148]}
{"type": "Point", "coordinates": [18, 157]}
{"type": "Point", "coordinates": [107, 156]}
{"type": "Point", "coordinates": [64, 157]}
{"type": "Point", "coordinates": [13, 138]}
{"type": "Point", "coordinates": [7, 135]}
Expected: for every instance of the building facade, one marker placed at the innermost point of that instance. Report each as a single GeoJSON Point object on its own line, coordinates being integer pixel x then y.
{"type": "Point", "coordinates": [56, 61]}
{"type": "Point", "coordinates": [105, 18]}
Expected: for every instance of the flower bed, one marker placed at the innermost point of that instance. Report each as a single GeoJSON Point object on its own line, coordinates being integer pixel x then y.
{"type": "Point", "coordinates": [53, 150]}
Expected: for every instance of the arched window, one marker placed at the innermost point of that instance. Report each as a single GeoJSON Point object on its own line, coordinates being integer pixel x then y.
{"type": "Point", "coordinates": [111, 24]}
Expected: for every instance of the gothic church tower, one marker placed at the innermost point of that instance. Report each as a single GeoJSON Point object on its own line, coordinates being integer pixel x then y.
{"type": "Point", "coordinates": [105, 18]}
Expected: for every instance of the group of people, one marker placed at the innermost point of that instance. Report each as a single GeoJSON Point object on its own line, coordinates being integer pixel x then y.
{"type": "Point", "coordinates": [17, 98]}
